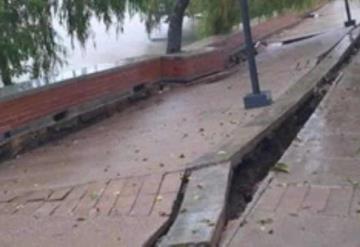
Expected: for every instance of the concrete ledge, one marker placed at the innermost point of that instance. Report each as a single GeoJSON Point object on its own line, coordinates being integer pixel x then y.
{"type": "Point", "coordinates": [202, 211]}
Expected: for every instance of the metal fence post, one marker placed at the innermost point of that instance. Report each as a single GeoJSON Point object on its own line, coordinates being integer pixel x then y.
{"type": "Point", "coordinates": [350, 21]}
{"type": "Point", "coordinates": [257, 98]}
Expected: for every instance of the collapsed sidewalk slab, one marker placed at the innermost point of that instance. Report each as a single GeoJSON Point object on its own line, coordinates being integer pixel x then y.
{"type": "Point", "coordinates": [243, 141]}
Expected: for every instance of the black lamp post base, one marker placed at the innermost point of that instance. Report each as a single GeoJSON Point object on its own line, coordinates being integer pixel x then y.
{"type": "Point", "coordinates": [350, 23]}
{"type": "Point", "coordinates": [258, 100]}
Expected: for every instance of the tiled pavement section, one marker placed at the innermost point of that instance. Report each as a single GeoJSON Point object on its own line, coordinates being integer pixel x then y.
{"type": "Point", "coordinates": [137, 196]}
{"type": "Point", "coordinates": [318, 202]}
{"type": "Point", "coordinates": [137, 204]}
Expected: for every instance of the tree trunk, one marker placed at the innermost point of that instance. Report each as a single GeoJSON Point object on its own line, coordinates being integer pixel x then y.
{"type": "Point", "coordinates": [175, 26]}
{"type": "Point", "coordinates": [5, 73]}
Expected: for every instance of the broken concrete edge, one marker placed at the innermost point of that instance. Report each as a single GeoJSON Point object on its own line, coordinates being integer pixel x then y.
{"type": "Point", "coordinates": [248, 210]}
{"type": "Point", "coordinates": [231, 154]}
{"type": "Point", "coordinates": [267, 181]}
{"type": "Point", "coordinates": [154, 238]}
{"type": "Point", "coordinates": [201, 216]}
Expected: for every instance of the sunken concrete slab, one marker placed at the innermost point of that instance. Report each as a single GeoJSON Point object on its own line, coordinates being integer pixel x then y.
{"type": "Point", "coordinates": [202, 213]}
{"type": "Point", "coordinates": [201, 216]}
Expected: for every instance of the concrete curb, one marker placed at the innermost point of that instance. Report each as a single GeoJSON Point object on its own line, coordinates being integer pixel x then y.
{"type": "Point", "coordinates": [200, 222]}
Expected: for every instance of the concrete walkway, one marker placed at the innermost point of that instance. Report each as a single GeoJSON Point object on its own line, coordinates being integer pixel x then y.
{"type": "Point", "coordinates": [318, 202]}
{"type": "Point", "coordinates": [115, 183]}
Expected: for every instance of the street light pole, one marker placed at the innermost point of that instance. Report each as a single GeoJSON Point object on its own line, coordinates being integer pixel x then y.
{"type": "Point", "coordinates": [350, 21]}
{"type": "Point", "coordinates": [257, 98]}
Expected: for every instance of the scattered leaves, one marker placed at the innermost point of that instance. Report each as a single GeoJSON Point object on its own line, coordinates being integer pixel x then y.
{"type": "Point", "coordinates": [281, 167]}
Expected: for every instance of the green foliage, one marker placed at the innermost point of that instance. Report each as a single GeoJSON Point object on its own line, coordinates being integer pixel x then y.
{"type": "Point", "coordinates": [220, 16]}
{"type": "Point", "coordinates": [27, 38]}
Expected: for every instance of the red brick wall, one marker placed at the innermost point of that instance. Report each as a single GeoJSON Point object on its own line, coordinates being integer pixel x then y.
{"type": "Point", "coordinates": [22, 110]}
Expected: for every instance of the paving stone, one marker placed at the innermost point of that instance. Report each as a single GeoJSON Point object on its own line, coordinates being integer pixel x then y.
{"type": "Point", "coordinates": [339, 202]}
{"type": "Point", "coordinates": [47, 209]}
{"type": "Point", "coordinates": [132, 187]}
{"type": "Point", "coordinates": [41, 195]}
{"type": "Point", "coordinates": [171, 183]}
{"type": "Point", "coordinates": [72, 200]}
{"type": "Point", "coordinates": [123, 205]}
{"type": "Point", "coordinates": [316, 200]}
{"type": "Point", "coordinates": [92, 196]}
{"type": "Point", "coordinates": [109, 197]}
{"type": "Point", "coordinates": [270, 200]}
{"type": "Point", "coordinates": [29, 207]}
{"type": "Point", "coordinates": [60, 194]}
{"type": "Point", "coordinates": [163, 204]}
{"type": "Point", "coordinates": [143, 205]}
{"type": "Point", "coordinates": [152, 184]}
{"type": "Point", "coordinates": [292, 199]}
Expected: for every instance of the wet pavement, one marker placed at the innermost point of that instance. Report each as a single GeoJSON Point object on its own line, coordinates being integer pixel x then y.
{"type": "Point", "coordinates": [318, 202]}
{"type": "Point", "coordinates": [331, 16]}
{"type": "Point", "coordinates": [98, 186]}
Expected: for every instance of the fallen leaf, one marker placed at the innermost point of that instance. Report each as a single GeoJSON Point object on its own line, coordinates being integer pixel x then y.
{"type": "Point", "coordinates": [164, 214]}
{"type": "Point", "coordinates": [281, 167]}
{"type": "Point", "coordinates": [158, 198]}
{"type": "Point", "coordinates": [93, 196]}
{"type": "Point", "coordinates": [183, 211]}
{"type": "Point", "coordinates": [265, 221]}
{"type": "Point", "coordinates": [353, 182]}
{"type": "Point", "coordinates": [200, 186]}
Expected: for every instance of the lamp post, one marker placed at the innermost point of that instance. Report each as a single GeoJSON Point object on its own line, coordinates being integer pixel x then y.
{"type": "Point", "coordinates": [257, 98]}
{"type": "Point", "coordinates": [350, 21]}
